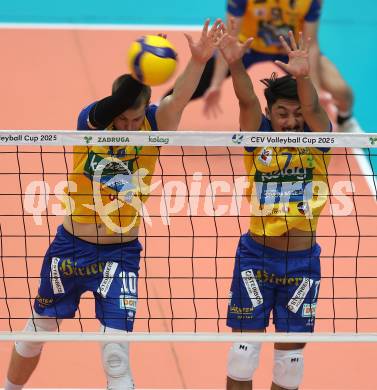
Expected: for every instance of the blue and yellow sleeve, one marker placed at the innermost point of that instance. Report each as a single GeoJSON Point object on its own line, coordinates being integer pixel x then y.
{"type": "Point", "coordinates": [82, 121]}
{"type": "Point", "coordinates": [151, 116]}
{"type": "Point", "coordinates": [314, 12]}
{"type": "Point", "coordinates": [265, 125]}
{"type": "Point", "coordinates": [237, 7]}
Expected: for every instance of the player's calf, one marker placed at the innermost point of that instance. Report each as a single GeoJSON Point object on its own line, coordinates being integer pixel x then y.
{"type": "Point", "coordinates": [26, 354]}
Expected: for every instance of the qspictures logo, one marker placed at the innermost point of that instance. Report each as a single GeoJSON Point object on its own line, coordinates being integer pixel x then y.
{"type": "Point", "coordinates": [128, 185]}
{"type": "Point", "coordinates": [373, 140]}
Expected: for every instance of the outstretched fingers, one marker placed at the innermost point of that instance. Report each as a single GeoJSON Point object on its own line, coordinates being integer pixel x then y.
{"type": "Point", "coordinates": [284, 44]}
{"type": "Point", "coordinates": [301, 43]}
{"type": "Point", "coordinates": [247, 44]}
{"type": "Point", "coordinates": [224, 41]}
{"type": "Point", "coordinates": [232, 26]}
{"type": "Point", "coordinates": [189, 39]}
{"type": "Point", "coordinates": [292, 41]}
{"type": "Point", "coordinates": [215, 28]}
{"type": "Point", "coordinates": [205, 28]}
{"type": "Point", "coordinates": [306, 44]}
{"type": "Point", "coordinates": [283, 66]}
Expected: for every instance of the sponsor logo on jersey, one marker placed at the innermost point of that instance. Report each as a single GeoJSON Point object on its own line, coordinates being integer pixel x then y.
{"type": "Point", "coordinates": [299, 295]}
{"type": "Point", "coordinates": [108, 277]}
{"type": "Point", "coordinates": [266, 277]}
{"type": "Point", "coordinates": [111, 168]}
{"type": "Point", "coordinates": [252, 287]}
{"type": "Point", "coordinates": [56, 282]}
{"type": "Point", "coordinates": [303, 207]}
{"type": "Point", "coordinates": [44, 302]}
{"type": "Point", "coordinates": [69, 268]}
{"type": "Point", "coordinates": [286, 175]}
{"type": "Point", "coordinates": [234, 309]}
{"type": "Point", "coordinates": [265, 157]}
{"type": "Point", "coordinates": [309, 310]}
{"type": "Point", "coordinates": [128, 302]}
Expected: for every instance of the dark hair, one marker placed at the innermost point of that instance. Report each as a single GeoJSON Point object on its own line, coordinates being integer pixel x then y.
{"type": "Point", "coordinates": [144, 95]}
{"type": "Point", "coordinates": [280, 88]}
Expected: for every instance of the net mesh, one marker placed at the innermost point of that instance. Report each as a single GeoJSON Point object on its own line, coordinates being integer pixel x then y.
{"type": "Point", "coordinates": [196, 211]}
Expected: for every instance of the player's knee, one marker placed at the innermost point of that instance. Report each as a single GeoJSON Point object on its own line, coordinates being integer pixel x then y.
{"type": "Point", "coordinates": [116, 363]}
{"type": "Point", "coordinates": [288, 368]}
{"type": "Point", "coordinates": [29, 349]}
{"type": "Point", "coordinates": [243, 360]}
{"type": "Point", "coordinates": [344, 93]}
{"type": "Point", "coordinates": [115, 360]}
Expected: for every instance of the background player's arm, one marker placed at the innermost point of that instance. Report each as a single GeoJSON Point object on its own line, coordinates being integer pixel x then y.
{"type": "Point", "coordinates": [298, 66]}
{"type": "Point", "coordinates": [234, 19]}
{"type": "Point", "coordinates": [171, 107]}
{"type": "Point", "coordinates": [233, 51]}
{"type": "Point", "coordinates": [310, 29]}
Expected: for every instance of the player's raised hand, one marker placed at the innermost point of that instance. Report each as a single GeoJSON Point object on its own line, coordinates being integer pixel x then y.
{"type": "Point", "coordinates": [203, 49]}
{"type": "Point", "coordinates": [211, 99]}
{"type": "Point", "coordinates": [298, 54]}
{"type": "Point", "coordinates": [231, 49]}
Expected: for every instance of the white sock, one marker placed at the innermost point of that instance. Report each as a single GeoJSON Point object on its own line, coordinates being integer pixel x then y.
{"type": "Point", "coordinates": [345, 114]}
{"type": "Point", "coordinates": [11, 386]}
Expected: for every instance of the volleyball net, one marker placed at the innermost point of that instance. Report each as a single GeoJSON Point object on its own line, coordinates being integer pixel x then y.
{"type": "Point", "coordinates": [196, 211]}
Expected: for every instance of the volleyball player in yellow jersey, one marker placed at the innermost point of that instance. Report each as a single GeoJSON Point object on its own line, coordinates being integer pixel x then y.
{"type": "Point", "coordinates": [277, 264]}
{"type": "Point", "coordinates": [265, 20]}
{"type": "Point", "coordinates": [96, 249]}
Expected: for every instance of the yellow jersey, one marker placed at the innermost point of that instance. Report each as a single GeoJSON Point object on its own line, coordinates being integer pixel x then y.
{"type": "Point", "coordinates": [108, 184]}
{"type": "Point", "coordinates": [287, 189]}
{"type": "Point", "coordinates": [266, 20]}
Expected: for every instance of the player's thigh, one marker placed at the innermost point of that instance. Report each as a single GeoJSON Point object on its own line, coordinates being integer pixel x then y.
{"type": "Point", "coordinates": [250, 299]}
{"type": "Point", "coordinates": [288, 346]}
{"type": "Point", "coordinates": [116, 306]}
{"type": "Point", "coordinates": [60, 289]}
{"type": "Point", "coordinates": [296, 304]}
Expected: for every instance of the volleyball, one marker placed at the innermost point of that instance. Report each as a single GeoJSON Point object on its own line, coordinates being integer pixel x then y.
{"type": "Point", "coordinates": [152, 60]}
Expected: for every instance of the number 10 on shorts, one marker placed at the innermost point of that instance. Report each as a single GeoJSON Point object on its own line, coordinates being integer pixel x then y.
{"type": "Point", "coordinates": [128, 297]}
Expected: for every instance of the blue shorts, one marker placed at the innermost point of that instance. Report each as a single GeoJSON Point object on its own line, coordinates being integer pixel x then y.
{"type": "Point", "coordinates": [73, 266]}
{"type": "Point", "coordinates": [266, 280]}
{"type": "Point", "coordinates": [252, 57]}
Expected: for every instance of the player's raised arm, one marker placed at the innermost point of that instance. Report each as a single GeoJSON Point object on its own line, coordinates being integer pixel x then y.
{"type": "Point", "coordinates": [298, 66]}
{"type": "Point", "coordinates": [213, 94]}
{"type": "Point", "coordinates": [232, 51]}
{"type": "Point", "coordinates": [171, 107]}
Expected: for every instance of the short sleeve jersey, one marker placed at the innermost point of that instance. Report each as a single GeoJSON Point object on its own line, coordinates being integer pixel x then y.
{"type": "Point", "coordinates": [287, 186]}
{"type": "Point", "coordinates": [266, 20]}
{"type": "Point", "coordinates": [108, 184]}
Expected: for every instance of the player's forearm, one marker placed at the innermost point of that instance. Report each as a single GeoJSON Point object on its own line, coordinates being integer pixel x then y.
{"type": "Point", "coordinates": [314, 58]}
{"type": "Point", "coordinates": [220, 72]}
{"type": "Point", "coordinates": [243, 87]}
{"type": "Point", "coordinates": [186, 84]}
{"type": "Point", "coordinates": [105, 110]}
{"type": "Point", "coordinates": [307, 94]}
